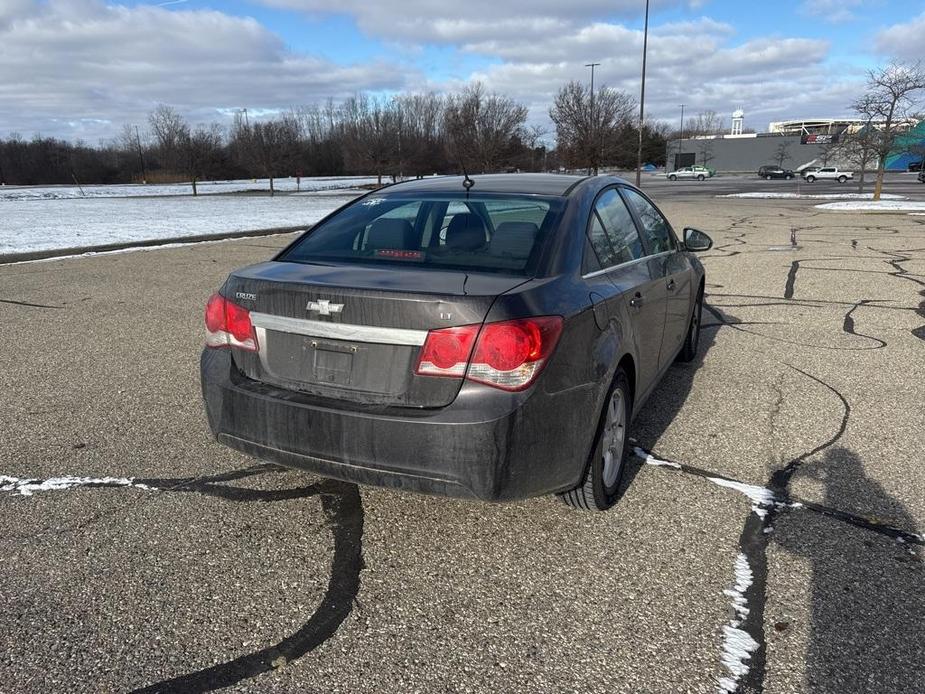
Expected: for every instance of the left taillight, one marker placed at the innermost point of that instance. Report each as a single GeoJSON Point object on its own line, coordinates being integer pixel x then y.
{"type": "Point", "coordinates": [229, 325]}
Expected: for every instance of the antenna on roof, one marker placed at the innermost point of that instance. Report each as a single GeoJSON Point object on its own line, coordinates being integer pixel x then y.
{"type": "Point", "coordinates": [467, 182]}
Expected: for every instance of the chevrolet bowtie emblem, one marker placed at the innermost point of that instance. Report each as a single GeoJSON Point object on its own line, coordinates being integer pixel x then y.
{"type": "Point", "coordinates": [324, 307]}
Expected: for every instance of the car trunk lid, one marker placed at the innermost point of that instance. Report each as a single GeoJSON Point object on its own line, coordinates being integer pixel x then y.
{"type": "Point", "coordinates": [353, 332]}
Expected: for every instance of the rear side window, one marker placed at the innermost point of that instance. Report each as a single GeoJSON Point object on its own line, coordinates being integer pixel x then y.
{"type": "Point", "coordinates": [655, 227]}
{"type": "Point", "coordinates": [485, 233]}
{"type": "Point", "coordinates": [612, 232]}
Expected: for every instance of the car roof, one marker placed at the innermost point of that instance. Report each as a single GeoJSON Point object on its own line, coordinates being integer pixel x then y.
{"type": "Point", "coordinates": [527, 183]}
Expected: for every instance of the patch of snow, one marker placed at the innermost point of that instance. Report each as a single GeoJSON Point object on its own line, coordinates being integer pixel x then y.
{"type": "Point", "coordinates": [817, 196]}
{"type": "Point", "coordinates": [650, 459]}
{"type": "Point", "coordinates": [738, 645]}
{"type": "Point", "coordinates": [27, 487]}
{"type": "Point", "coordinates": [65, 192]}
{"type": "Point", "coordinates": [760, 496]}
{"type": "Point", "coordinates": [871, 206]}
{"type": "Point", "coordinates": [35, 225]}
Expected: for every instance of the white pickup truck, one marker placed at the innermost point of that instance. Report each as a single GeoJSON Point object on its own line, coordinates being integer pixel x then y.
{"type": "Point", "coordinates": [828, 173]}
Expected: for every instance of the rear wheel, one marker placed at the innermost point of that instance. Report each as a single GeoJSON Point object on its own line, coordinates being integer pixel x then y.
{"type": "Point", "coordinates": [810, 179]}
{"type": "Point", "coordinates": [768, 177]}
{"type": "Point", "coordinates": [700, 177]}
{"type": "Point", "coordinates": [789, 176]}
{"type": "Point", "coordinates": [842, 179]}
{"type": "Point", "coordinates": [692, 341]}
{"type": "Point", "coordinates": [598, 490]}
{"type": "Point", "coordinates": [672, 178]}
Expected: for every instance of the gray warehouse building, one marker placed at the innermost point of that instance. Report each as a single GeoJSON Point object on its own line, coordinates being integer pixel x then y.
{"type": "Point", "coordinates": [747, 152]}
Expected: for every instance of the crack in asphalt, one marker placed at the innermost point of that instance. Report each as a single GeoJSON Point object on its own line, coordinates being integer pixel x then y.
{"type": "Point", "coordinates": [343, 509]}
{"type": "Point", "coordinates": [28, 304]}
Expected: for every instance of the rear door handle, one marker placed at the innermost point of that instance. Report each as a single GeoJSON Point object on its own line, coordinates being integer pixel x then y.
{"type": "Point", "coordinates": [671, 285]}
{"type": "Point", "coordinates": [636, 301]}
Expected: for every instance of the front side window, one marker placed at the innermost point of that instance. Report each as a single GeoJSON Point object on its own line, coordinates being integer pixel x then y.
{"type": "Point", "coordinates": [480, 233]}
{"type": "Point", "coordinates": [655, 227]}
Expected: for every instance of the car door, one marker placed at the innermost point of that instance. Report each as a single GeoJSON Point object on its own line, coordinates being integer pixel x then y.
{"type": "Point", "coordinates": [620, 253]}
{"type": "Point", "coordinates": [669, 268]}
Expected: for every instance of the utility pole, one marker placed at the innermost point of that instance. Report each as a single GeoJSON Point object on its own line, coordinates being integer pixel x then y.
{"type": "Point", "coordinates": [246, 122]}
{"type": "Point", "coordinates": [642, 97]}
{"type": "Point", "coordinates": [593, 123]}
{"type": "Point", "coordinates": [680, 138]}
{"type": "Point", "coordinates": [141, 156]}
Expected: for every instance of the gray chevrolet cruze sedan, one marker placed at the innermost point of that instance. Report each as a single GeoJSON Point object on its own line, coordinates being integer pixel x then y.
{"type": "Point", "coordinates": [489, 337]}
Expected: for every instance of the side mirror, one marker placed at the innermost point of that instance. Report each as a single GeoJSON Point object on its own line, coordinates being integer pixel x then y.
{"type": "Point", "coordinates": [695, 240]}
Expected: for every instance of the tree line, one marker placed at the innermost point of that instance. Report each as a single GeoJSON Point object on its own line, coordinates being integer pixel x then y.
{"type": "Point", "coordinates": [472, 130]}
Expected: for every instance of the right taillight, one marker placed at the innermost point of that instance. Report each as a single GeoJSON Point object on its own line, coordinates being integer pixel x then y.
{"type": "Point", "coordinates": [508, 354]}
{"type": "Point", "coordinates": [229, 325]}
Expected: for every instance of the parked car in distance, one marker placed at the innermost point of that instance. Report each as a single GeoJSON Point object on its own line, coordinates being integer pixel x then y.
{"type": "Point", "coordinates": [769, 172]}
{"type": "Point", "coordinates": [828, 173]}
{"type": "Point", "coordinates": [491, 340]}
{"type": "Point", "coordinates": [699, 173]}
{"type": "Point", "coordinates": [914, 166]}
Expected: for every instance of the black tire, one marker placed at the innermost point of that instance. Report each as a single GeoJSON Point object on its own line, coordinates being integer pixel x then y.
{"type": "Point", "coordinates": [810, 179]}
{"type": "Point", "coordinates": [768, 177]}
{"type": "Point", "coordinates": [842, 179]}
{"type": "Point", "coordinates": [789, 176]}
{"type": "Point", "coordinates": [672, 178]}
{"type": "Point", "coordinates": [700, 177]}
{"type": "Point", "coordinates": [595, 493]}
{"type": "Point", "coordinates": [692, 340]}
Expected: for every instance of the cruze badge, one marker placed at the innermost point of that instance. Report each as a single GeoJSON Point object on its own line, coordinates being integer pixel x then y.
{"type": "Point", "coordinates": [324, 307]}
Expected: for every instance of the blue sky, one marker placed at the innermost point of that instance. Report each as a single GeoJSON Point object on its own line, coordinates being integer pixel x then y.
{"type": "Point", "coordinates": [83, 68]}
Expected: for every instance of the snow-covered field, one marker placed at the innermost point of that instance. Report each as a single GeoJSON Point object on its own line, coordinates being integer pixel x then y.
{"type": "Point", "coordinates": [204, 188]}
{"type": "Point", "coordinates": [43, 224]}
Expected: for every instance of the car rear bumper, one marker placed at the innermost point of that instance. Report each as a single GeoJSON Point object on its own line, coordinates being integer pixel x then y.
{"type": "Point", "coordinates": [487, 444]}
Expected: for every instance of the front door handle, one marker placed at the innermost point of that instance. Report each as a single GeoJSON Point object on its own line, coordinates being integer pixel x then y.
{"type": "Point", "coordinates": [671, 284]}
{"type": "Point", "coordinates": [636, 301]}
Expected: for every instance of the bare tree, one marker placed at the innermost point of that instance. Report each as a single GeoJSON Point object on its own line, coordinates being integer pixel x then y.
{"type": "Point", "coordinates": [890, 97]}
{"type": "Point", "coordinates": [480, 127]}
{"type": "Point", "coordinates": [267, 147]}
{"type": "Point", "coordinates": [705, 123]}
{"type": "Point", "coordinates": [860, 149]}
{"type": "Point", "coordinates": [170, 131]}
{"type": "Point", "coordinates": [782, 153]}
{"type": "Point", "coordinates": [705, 148]}
{"type": "Point", "coordinates": [201, 149]}
{"type": "Point", "coordinates": [372, 130]}
{"type": "Point", "coordinates": [585, 135]}
{"type": "Point", "coordinates": [421, 144]}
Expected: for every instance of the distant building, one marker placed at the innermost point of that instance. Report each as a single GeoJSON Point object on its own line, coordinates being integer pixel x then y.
{"type": "Point", "coordinates": [793, 144]}
{"type": "Point", "coordinates": [825, 126]}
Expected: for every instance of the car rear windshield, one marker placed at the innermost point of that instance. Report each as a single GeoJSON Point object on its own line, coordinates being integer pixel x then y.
{"type": "Point", "coordinates": [477, 232]}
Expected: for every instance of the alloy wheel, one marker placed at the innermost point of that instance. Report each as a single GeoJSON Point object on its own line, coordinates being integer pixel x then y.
{"type": "Point", "coordinates": [614, 438]}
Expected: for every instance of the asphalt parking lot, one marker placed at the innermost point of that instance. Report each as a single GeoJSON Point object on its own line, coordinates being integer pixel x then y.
{"type": "Point", "coordinates": [170, 563]}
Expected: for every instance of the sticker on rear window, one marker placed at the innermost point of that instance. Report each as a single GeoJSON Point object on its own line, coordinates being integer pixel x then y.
{"type": "Point", "coordinates": [399, 254]}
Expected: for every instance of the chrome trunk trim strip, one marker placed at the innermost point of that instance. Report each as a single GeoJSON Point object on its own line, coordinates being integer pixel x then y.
{"type": "Point", "coordinates": [339, 331]}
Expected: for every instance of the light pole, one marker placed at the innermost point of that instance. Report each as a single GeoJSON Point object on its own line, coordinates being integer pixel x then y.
{"type": "Point", "coordinates": [593, 139]}
{"type": "Point", "coordinates": [680, 138]}
{"type": "Point", "coordinates": [642, 97]}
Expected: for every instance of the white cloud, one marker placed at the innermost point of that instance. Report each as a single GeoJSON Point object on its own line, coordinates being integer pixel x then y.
{"type": "Point", "coordinates": [81, 68]}
{"type": "Point", "coordinates": [833, 11]}
{"type": "Point", "coordinates": [905, 40]}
